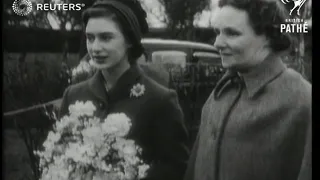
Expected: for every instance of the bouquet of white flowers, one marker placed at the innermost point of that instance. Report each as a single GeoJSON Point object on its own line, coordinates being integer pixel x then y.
{"type": "Point", "coordinates": [81, 142]}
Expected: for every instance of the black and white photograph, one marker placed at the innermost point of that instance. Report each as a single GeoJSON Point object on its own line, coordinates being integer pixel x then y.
{"type": "Point", "coordinates": [157, 90]}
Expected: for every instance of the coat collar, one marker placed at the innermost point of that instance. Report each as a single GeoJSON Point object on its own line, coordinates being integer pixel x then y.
{"type": "Point", "coordinates": [121, 89]}
{"type": "Point", "coordinates": [263, 74]}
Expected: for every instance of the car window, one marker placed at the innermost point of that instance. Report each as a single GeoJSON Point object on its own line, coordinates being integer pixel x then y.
{"type": "Point", "coordinates": [170, 57]}
{"type": "Point", "coordinates": [174, 62]}
{"type": "Point", "coordinates": [209, 64]}
{"type": "Point", "coordinates": [207, 58]}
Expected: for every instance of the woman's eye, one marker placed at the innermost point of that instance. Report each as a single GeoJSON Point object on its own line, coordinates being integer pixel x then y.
{"type": "Point", "coordinates": [90, 38]}
{"type": "Point", "coordinates": [105, 37]}
{"type": "Point", "coordinates": [231, 32]}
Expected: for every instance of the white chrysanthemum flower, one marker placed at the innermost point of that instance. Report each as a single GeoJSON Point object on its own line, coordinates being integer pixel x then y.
{"type": "Point", "coordinates": [81, 153]}
{"type": "Point", "coordinates": [93, 135]}
{"type": "Point", "coordinates": [93, 122]}
{"type": "Point", "coordinates": [53, 137]}
{"type": "Point", "coordinates": [104, 151]}
{"type": "Point", "coordinates": [55, 172]}
{"type": "Point", "coordinates": [126, 150]}
{"type": "Point", "coordinates": [130, 172]}
{"type": "Point", "coordinates": [119, 144]}
{"type": "Point", "coordinates": [71, 122]}
{"type": "Point", "coordinates": [117, 124]}
{"type": "Point", "coordinates": [115, 175]}
{"type": "Point", "coordinates": [106, 167]}
{"type": "Point", "coordinates": [72, 152]}
{"type": "Point", "coordinates": [142, 170]}
{"type": "Point", "coordinates": [129, 148]}
{"type": "Point", "coordinates": [49, 145]}
{"type": "Point", "coordinates": [80, 108]}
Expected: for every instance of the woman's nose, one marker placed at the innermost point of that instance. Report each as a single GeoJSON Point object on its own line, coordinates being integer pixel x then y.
{"type": "Point", "coordinates": [96, 46]}
{"type": "Point", "coordinates": [220, 42]}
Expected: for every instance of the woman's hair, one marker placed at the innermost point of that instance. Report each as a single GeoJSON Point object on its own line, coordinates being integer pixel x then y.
{"type": "Point", "coordinates": [130, 17]}
{"type": "Point", "coordinates": [265, 16]}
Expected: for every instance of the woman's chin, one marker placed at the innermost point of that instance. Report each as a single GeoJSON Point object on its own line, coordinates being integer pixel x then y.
{"type": "Point", "coordinates": [100, 66]}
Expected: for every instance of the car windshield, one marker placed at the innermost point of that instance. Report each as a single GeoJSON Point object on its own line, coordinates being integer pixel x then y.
{"type": "Point", "coordinates": [175, 62]}
{"type": "Point", "coordinates": [174, 58]}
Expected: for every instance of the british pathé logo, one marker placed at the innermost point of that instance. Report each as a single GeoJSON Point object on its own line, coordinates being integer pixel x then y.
{"type": "Point", "coordinates": [297, 4]}
{"type": "Point", "coordinates": [295, 24]}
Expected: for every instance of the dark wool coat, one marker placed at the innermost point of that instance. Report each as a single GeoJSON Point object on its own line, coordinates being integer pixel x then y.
{"type": "Point", "coordinates": [260, 133]}
{"type": "Point", "coordinates": [157, 120]}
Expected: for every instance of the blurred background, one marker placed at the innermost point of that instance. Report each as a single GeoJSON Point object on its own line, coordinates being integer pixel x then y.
{"type": "Point", "coordinates": [42, 49]}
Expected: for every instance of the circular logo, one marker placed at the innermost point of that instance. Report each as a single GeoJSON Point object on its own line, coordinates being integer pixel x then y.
{"type": "Point", "coordinates": [22, 7]}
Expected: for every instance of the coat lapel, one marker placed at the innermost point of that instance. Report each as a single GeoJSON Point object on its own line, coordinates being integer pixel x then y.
{"type": "Point", "coordinates": [123, 87]}
{"type": "Point", "coordinates": [96, 86]}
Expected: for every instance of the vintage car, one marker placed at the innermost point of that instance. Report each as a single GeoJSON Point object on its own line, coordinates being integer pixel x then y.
{"type": "Point", "coordinates": [184, 62]}
{"type": "Point", "coordinates": [188, 62]}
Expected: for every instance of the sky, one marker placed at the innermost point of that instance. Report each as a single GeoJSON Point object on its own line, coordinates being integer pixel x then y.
{"type": "Point", "coordinates": [203, 20]}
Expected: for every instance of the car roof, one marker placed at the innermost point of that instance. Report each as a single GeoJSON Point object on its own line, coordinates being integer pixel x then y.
{"type": "Point", "coordinates": [179, 43]}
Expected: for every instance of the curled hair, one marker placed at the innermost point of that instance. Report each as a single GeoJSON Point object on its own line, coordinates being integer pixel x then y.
{"type": "Point", "coordinates": [265, 17]}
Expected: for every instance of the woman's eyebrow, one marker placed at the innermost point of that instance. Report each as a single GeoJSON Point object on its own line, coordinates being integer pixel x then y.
{"type": "Point", "coordinates": [232, 29]}
{"type": "Point", "coordinates": [106, 33]}
{"type": "Point", "coordinates": [100, 33]}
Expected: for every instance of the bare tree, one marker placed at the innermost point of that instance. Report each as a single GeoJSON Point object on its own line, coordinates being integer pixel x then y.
{"type": "Point", "coordinates": [299, 50]}
{"type": "Point", "coordinates": [179, 16]}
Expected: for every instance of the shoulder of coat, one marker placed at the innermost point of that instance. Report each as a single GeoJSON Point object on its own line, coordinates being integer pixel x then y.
{"type": "Point", "coordinates": [81, 86]}
{"type": "Point", "coordinates": [298, 89]}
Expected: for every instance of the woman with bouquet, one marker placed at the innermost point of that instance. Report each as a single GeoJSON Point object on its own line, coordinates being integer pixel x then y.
{"type": "Point", "coordinates": [113, 31]}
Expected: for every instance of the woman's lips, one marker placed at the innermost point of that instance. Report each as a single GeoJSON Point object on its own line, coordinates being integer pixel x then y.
{"type": "Point", "coordinates": [100, 59]}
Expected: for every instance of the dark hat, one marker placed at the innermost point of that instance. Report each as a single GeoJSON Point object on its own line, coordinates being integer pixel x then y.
{"type": "Point", "coordinates": [132, 18]}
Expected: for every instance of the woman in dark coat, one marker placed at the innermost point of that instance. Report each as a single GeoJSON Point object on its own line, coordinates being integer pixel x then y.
{"type": "Point", "coordinates": [256, 124]}
{"type": "Point", "coordinates": [113, 30]}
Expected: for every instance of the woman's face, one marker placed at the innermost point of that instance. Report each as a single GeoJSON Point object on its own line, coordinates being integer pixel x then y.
{"type": "Point", "coordinates": [239, 45]}
{"type": "Point", "coordinates": [106, 44]}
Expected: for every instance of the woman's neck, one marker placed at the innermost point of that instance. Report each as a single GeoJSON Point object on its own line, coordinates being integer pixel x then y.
{"type": "Point", "coordinates": [253, 71]}
{"type": "Point", "coordinates": [112, 75]}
